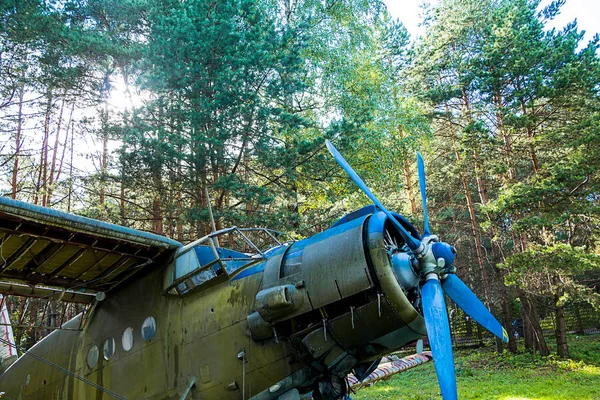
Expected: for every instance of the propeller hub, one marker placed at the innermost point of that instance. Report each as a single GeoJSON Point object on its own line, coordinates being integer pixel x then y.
{"type": "Point", "coordinates": [436, 257]}
{"type": "Point", "coordinates": [445, 251]}
{"type": "Point", "coordinates": [402, 263]}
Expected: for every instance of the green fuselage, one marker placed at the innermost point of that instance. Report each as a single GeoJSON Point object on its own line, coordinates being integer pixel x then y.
{"type": "Point", "coordinates": [198, 335]}
{"type": "Point", "coordinates": [289, 320]}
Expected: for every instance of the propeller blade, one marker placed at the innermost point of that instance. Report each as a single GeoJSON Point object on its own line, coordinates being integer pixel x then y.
{"type": "Point", "coordinates": [412, 243]}
{"type": "Point", "coordinates": [438, 332]}
{"type": "Point", "coordinates": [422, 185]}
{"type": "Point", "coordinates": [470, 304]}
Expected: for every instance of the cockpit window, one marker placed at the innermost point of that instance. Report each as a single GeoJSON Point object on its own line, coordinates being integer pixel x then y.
{"type": "Point", "coordinates": [219, 254]}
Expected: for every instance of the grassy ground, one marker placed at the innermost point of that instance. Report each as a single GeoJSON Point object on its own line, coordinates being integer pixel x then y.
{"type": "Point", "coordinates": [484, 374]}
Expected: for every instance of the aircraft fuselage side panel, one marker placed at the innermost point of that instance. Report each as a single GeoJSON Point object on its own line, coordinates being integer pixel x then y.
{"type": "Point", "coordinates": [198, 335]}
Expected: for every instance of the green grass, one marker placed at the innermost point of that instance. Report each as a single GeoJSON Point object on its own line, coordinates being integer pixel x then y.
{"type": "Point", "coordinates": [484, 374]}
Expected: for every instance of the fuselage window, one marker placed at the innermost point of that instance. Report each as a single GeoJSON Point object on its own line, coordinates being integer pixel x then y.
{"type": "Point", "coordinates": [109, 348]}
{"type": "Point", "coordinates": [148, 328]}
{"type": "Point", "coordinates": [127, 340]}
{"type": "Point", "coordinates": [92, 357]}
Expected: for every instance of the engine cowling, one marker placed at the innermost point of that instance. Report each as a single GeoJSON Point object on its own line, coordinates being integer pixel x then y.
{"type": "Point", "coordinates": [336, 298]}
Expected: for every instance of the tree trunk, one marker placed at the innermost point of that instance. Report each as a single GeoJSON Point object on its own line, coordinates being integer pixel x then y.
{"type": "Point", "coordinates": [538, 334]}
{"type": "Point", "coordinates": [17, 143]}
{"type": "Point", "coordinates": [532, 321]}
{"type": "Point", "coordinates": [409, 187]}
{"type": "Point", "coordinates": [64, 150]}
{"type": "Point", "coordinates": [506, 313]}
{"type": "Point", "coordinates": [202, 204]}
{"type": "Point", "coordinates": [45, 151]}
{"type": "Point", "coordinates": [180, 211]}
{"type": "Point", "coordinates": [580, 328]}
{"type": "Point", "coordinates": [48, 194]}
{"type": "Point", "coordinates": [52, 313]}
{"type": "Point", "coordinates": [407, 176]}
{"type": "Point", "coordinates": [157, 219]}
{"type": "Point", "coordinates": [561, 333]}
{"type": "Point", "coordinates": [122, 196]}
{"type": "Point", "coordinates": [468, 326]}
{"type": "Point", "coordinates": [474, 228]}
{"type": "Point", "coordinates": [511, 173]}
{"type": "Point", "coordinates": [479, 334]}
{"type": "Point", "coordinates": [530, 136]}
{"type": "Point", "coordinates": [470, 205]}
{"type": "Point", "coordinates": [42, 173]}
{"type": "Point", "coordinates": [561, 327]}
{"type": "Point", "coordinates": [481, 186]}
{"type": "Point", "coordinates": [192, 231]}
{"type": "Point", "coordinates": [527, 331]}
{"type": "Point", "coordinates": [69, 198]}
{"type": "Point", "coordinates": [33, 317]}
{"type": "Point", "coordinates": [179, 217]}
{"type": "Point", "coordinates": [104, 165]}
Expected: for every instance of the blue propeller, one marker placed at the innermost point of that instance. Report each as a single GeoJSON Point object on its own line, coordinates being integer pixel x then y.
{"type": "Point", "coordinates": [435, 259]}
{"type": "Point", "coordinates": [470, 304]}
{"type": "Point", "coordinates": [413, 244]}
{"type": "Point", "coordinates": [421, 167]}
{"type": "Point", "coordinates": [438, 332]}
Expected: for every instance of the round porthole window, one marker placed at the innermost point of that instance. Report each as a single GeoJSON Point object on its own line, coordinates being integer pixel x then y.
{"type": "Point", "coordinates": [109, 348]}
{"type": "Point", "coordinates": [92, 357]}
{"type": "Point", "coordinates": [127, 339]}
{"type": "Point", "coordinates": [148, 328]}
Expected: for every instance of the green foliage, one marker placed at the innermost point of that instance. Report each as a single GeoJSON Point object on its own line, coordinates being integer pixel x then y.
{"type": "Point", "coordinates": [512, 106]}
{"type": "Point", "coordinates": [564, 263]}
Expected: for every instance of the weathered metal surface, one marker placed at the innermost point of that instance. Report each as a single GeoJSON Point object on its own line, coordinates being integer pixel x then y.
{"type": "Point", "coordinates": [326, 302]}
{"type": "Point", "coordinates": [278, 301]}
{"type": "Point", "coordinates": [385, 275]}
{"type": "Point", "coordinates": [46, 293]}
{"type": "Point", "coordinates": [326, 267]}
{"type": "Point", "coordinates": [53, 248]}
{"type": "Point", "coordinates": [6, 334]}
{"type": "Point", "coordinates": [21, 211]}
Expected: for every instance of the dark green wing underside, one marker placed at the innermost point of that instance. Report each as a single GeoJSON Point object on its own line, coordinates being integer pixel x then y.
{"type": "Point", "coordinates": [52, 248]}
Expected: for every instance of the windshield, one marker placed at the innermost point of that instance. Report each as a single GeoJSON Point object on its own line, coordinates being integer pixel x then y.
{"type": "Point", "coordinates": [219, 254]}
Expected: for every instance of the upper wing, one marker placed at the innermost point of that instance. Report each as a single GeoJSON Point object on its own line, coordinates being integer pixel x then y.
{"type": "Point", "coordinates": [49, 247]}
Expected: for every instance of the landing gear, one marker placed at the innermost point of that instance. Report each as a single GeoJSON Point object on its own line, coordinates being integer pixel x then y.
{"type": "Point", "coordinates": [332, 387]}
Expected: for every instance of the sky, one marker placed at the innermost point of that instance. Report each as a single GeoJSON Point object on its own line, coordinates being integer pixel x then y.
{"type": "Point", "coordinates": [587, 13]}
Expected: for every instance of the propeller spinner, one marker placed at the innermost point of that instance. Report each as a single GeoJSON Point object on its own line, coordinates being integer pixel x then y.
{"type": "Point", "coordinates": [434, 263]}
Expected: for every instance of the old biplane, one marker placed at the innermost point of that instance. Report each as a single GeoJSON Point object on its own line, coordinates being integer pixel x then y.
{"type": "Point", "coordinates": [228, 316]}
